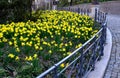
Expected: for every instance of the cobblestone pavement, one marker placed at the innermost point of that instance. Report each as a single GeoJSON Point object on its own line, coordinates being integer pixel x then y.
{"type": "Point", "coordinates": [113, 9]}
{"type": "Point", "coordinates": [113, 69]}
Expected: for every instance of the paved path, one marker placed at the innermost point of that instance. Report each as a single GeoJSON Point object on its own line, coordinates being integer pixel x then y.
{"type": "Point", "coordinates": [113, 8]}
{"type": "Point", "coordinates": [113, 69]}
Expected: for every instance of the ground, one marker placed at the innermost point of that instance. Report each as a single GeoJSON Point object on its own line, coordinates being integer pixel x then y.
{"type": "Point", "coordinates": [113, 9]}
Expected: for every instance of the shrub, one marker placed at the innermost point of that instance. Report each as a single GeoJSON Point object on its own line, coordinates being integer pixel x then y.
{"type": "Point", "coordinates": [15, 10]}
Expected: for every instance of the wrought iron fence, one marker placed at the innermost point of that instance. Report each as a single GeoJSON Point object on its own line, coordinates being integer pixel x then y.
{"type": "Point", "coordinates": [80, 62]}
{"type": "Point", "coordinates": [77, 10]}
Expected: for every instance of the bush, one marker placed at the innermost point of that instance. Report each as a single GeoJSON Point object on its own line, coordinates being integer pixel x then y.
{"type": "Point", "coordinates": [29, 48]}
{"type": "Point", "coordinates": [15, 10]}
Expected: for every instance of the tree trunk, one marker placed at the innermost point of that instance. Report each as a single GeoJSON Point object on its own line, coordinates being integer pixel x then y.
{"type": "Point", "coordinates": [30, 8]}
{"type": "Point", "coordinates": [71, 2]}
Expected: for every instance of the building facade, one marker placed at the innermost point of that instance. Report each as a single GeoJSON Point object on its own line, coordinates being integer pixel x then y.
{"type": "Point", "coordinates": [42, 4]}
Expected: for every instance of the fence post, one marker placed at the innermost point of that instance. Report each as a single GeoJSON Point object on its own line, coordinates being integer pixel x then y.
{"type": "Point", "coordinates": [81, 11]}
{"type": "Point", "coordinates": [100, 20]}
{"type": "Point", "coordinates": [88, 12]}
{"type": "Point", "coordinates": [102, 41]}
{"type": "Point", "coordinates": [103, 37]}
{"type": "Point", "coordinates": [55, 71]}
{"type": "Point", "coordinates": [80, 70]}
{"type": "Point", "coordinates": [95, 15]}
{"type": "Point", "coordinates": [94, 54]}
{"type": "Point", "coordinates": [69, 9]}
{"type": "Point", "coordinates": [105, 26]}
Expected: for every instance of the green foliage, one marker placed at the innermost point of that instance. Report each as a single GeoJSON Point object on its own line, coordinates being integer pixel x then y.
{"type": "Point", "coordinates": [16, 10]}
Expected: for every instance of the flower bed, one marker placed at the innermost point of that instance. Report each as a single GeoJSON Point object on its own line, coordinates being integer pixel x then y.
{"type": "Point", "coordinates": [29, 48]}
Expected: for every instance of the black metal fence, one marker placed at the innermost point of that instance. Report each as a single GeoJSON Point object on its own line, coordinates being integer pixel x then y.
{"type": "Point", "coordinates": [82, 61]}
{"type": "Point", "coordinates": [77, 10]}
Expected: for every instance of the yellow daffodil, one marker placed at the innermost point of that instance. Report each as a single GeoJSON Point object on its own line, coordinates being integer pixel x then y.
{"type": "Point", "coordinates": [50, 51]}
{"type": "Point", "coordinates": [23, 44]}
{"type": "Point", "coordinates": [35, 55]}
{"type": "Point", "coordinates": [10, 43]}
{"type": "Point", "coordinates": [1, 35]}
{"type": "Point", "coordinates": [17, 49]}
{"type": "Point", "coordinates": [11, 55]}
{"type": "Point", "coordinates": [30, 58]}
{"type": "Point", "coordinates": [62, 65]}
{"type": "Point", "coordinates": [17, 58]}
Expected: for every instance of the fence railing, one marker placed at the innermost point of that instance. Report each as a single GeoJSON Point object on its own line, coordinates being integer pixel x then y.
{"type": "Point", "coordinates": [77, 10]}
{"type": "Point", "coordinates": [82, 61]}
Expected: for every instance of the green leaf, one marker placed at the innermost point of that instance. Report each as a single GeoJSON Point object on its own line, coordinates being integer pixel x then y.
{"type": "Point", "coordinates": [2, 71]}
{"type": "Point", "coordinates": [26, 67]}
{"type": "Point", "coordinates": [1, 45]}
{"type": "Point", "coordinates": [1, 53]}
